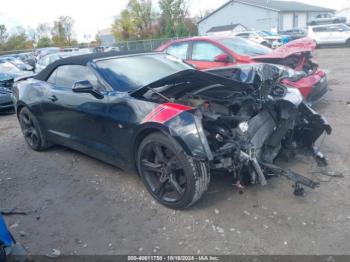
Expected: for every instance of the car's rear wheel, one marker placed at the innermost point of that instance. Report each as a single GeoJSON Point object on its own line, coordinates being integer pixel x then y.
{"type": "Point", "coordinates": [172, 177]}
{"type": "Point", "coordinates": [31, 130]}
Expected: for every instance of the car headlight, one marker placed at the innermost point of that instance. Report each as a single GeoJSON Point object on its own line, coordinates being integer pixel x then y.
{"type": "Point", "coordinates": [243, 126]}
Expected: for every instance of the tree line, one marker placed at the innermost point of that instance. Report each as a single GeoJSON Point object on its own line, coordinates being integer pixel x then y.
{"type": "Point", "coordinates": [59, 33]}
{"type": "Point", "coordinates": [140, 20]}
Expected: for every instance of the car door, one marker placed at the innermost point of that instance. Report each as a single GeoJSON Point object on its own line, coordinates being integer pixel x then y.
{"type": "Point", "coordinates": [321, 34]}
{"type": "Point", "coordinates": [340, 34]}
{"type": "Point", "coordinates": [75, 119]}
{"type": "Point", "coordinates": [205, 55]}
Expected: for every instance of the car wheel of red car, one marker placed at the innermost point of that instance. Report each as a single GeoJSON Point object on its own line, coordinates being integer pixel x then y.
{"type": "Point", "coordinates": [173, 178]}
{"type": "Point", "coordinates": [31, 131]}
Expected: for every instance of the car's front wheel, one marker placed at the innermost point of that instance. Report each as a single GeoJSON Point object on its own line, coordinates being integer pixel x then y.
{"type": "Point", "coordinates": [172, 177]}
{"type": "Point", "coordinates": [31, 130]}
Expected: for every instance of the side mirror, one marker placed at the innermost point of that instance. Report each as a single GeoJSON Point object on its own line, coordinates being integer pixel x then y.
{"type": "Point", "coordinates": [86, 87]}
{"type": "Point", "coordinates": [223, 58]}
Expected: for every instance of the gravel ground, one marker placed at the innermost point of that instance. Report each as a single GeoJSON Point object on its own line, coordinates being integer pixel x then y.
{"type": "Point", "coordinates": [82, 206]}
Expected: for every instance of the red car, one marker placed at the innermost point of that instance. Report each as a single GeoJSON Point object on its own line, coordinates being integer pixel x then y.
{"type": "Point", "coordinates": [211, 52]}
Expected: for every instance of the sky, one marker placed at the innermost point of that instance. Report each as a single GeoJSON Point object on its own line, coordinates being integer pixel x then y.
{"type": "Point", "coordinates": [90, 17]}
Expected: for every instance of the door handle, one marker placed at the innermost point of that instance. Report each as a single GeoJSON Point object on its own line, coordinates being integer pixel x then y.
{"type": "Point", "coordinates": [53, 98]}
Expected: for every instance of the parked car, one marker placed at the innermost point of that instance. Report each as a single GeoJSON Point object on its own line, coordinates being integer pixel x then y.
{"type": "Point", "coordinates": [70, 49]}
{"type": "Point", "coordinates": [282, 38]}
{"type": "Point", "coordinates": [295, 33]}
{"type": "Point", "coordinates": [212, 52]}
{"type": "Point", "coordinates": [168, 121]}
{"type": "Point", "coordinates": [44, 61]}
{"type": "Point", "coordinates": [327, 19]}
{"type": "Point", "coordinates": [17, 62]}
{"type": "Point", "coordinates": [330, 34]}
{"type": "Point", "coordinates": [27, 58]}
{"type": "Point", "coordinates": [261, 38]}
{"type": "Point", "coordinates": [40, 52]}
{"type": "Point", "coordinates": [8, 72]}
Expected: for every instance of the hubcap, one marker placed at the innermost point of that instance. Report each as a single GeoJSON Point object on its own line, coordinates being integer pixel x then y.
{"type": "Point", "coordinates": [163, 172]}
{"type": "Point", "coordinates": [29, 131]}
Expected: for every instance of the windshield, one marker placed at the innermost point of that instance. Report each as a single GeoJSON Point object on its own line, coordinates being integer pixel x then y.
{"type": "Point", "coordinates": [6, 67]}
{"type": "Point", "coordinates": [245, 47]}
{"type": "Point", "coordinates": [130, 73]}
{"type": "Point", "coordinates": [263, 34]}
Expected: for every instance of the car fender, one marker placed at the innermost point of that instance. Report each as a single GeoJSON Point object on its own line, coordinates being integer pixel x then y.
{"type": "Point", "coordinates": [185, 129]}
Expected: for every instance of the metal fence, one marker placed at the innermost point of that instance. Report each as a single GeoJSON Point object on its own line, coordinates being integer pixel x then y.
{"type": "Point", "coordinates": [142, 45]}
{"type": "Point", "coordinates": [136, 46]}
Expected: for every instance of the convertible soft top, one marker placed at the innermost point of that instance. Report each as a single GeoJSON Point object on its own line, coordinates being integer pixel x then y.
{"type": "Point", "coordinates": [78, 60]}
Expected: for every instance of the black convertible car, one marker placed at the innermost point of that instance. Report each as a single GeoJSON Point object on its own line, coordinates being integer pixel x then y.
{"type": "Point", "coordinates": [173, 124]}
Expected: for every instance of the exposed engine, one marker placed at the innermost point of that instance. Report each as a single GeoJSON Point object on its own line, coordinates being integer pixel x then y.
{"type": "Point", "coordinates": [248, 125]}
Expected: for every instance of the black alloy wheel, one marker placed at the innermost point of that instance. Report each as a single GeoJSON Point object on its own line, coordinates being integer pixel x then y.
{"type": "Point", "coordinates": [31, 130]}
{"type": "Point", "coordinates": [173, 178]}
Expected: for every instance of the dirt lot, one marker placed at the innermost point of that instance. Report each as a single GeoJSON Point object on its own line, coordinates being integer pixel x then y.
{"type": "Point", "coordinates": [83, 206]}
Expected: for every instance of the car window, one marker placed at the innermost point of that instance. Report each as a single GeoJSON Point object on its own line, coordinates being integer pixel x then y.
{"type": "Point", "coordinates": [319, 29]}
{"type": "Point", "coordinates": [66, 75]}
{"type": "Point", "coordinates": [243, 46]}
{"type": "Point", "coordinates": [120, 72]}
{"type": "Point", "coordinates": [178, 50]}
{"type": "Point", "coordinates": [203, 51]}
{"type": "Point", "coordinates": [244, 35]}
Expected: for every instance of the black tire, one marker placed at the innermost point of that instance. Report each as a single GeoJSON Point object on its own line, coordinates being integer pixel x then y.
{"type": "Point", "coordinates": [31, 130]}
{"type": "Point", "coordinates": [173, 178]}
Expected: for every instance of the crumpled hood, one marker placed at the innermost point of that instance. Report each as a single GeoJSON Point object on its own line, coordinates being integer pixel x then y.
{"type": "Point", "coordinates": [294, 47]}
{"type": "Point", "coordinates": [185, 81]}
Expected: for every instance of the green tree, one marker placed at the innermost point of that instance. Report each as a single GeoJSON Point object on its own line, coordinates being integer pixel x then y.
{"type": "Point", "coordinates": [175, 13]}
{"type": "Point", "coordinates": [17, 41]}
{"type": "Point", "coordinates": [62, 31]}
{"type": "Point", "coordinates": [3, 34]}
{"type": "Point", "coordinates": [44, 42]}
{"type": "Point", "coordinates": [124, 27]}
{"type": "Point", "coordinates": [43, 30]}
{"type": "Point", "coordinates": [142, 14]}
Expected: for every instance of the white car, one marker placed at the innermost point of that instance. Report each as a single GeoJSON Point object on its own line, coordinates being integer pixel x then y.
{"type": "Point", "coordinates": [330, 34]}
{"type": "Point", "coordinates": [261, 38]}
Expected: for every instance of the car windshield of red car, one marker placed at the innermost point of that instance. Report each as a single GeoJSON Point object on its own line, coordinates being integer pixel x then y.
{"type": "Point", "coordinates": [244, 47]}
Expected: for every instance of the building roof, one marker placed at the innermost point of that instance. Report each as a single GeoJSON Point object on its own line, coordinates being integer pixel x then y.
{"type": "Point", "coordinates": [223, 28]}
{"type": "Point", "coordinates": [297, 6]}
{"type": "Point", "coordinates": [278, 6]}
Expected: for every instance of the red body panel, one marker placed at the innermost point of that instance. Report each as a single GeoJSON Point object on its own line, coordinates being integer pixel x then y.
{"type": "Point", "coordinates": [165, 112]}
{"type": "Point", "coordinates": [296, 47]}
{"type": "Point", "coordinates": [306, 84]}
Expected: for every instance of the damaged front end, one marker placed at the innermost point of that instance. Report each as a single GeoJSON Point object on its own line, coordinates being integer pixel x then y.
{"type": "Point", "coordinates": [249, 125]}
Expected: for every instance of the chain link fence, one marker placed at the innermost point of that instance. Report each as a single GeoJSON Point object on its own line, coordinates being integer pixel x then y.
{"type": "Point", "coordinates": [136, 46]}
{"type": "Point", "coordinates": [142, 45]}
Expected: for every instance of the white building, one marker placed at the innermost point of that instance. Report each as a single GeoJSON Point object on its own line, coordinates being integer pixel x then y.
{"type": "Point", "coordinates": [262, 15]}
{"type": "Point", "coordinates": [226, 29]}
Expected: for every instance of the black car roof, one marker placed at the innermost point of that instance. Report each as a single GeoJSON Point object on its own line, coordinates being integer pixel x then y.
{"type": "Point", "coordinates": [78, 60]}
